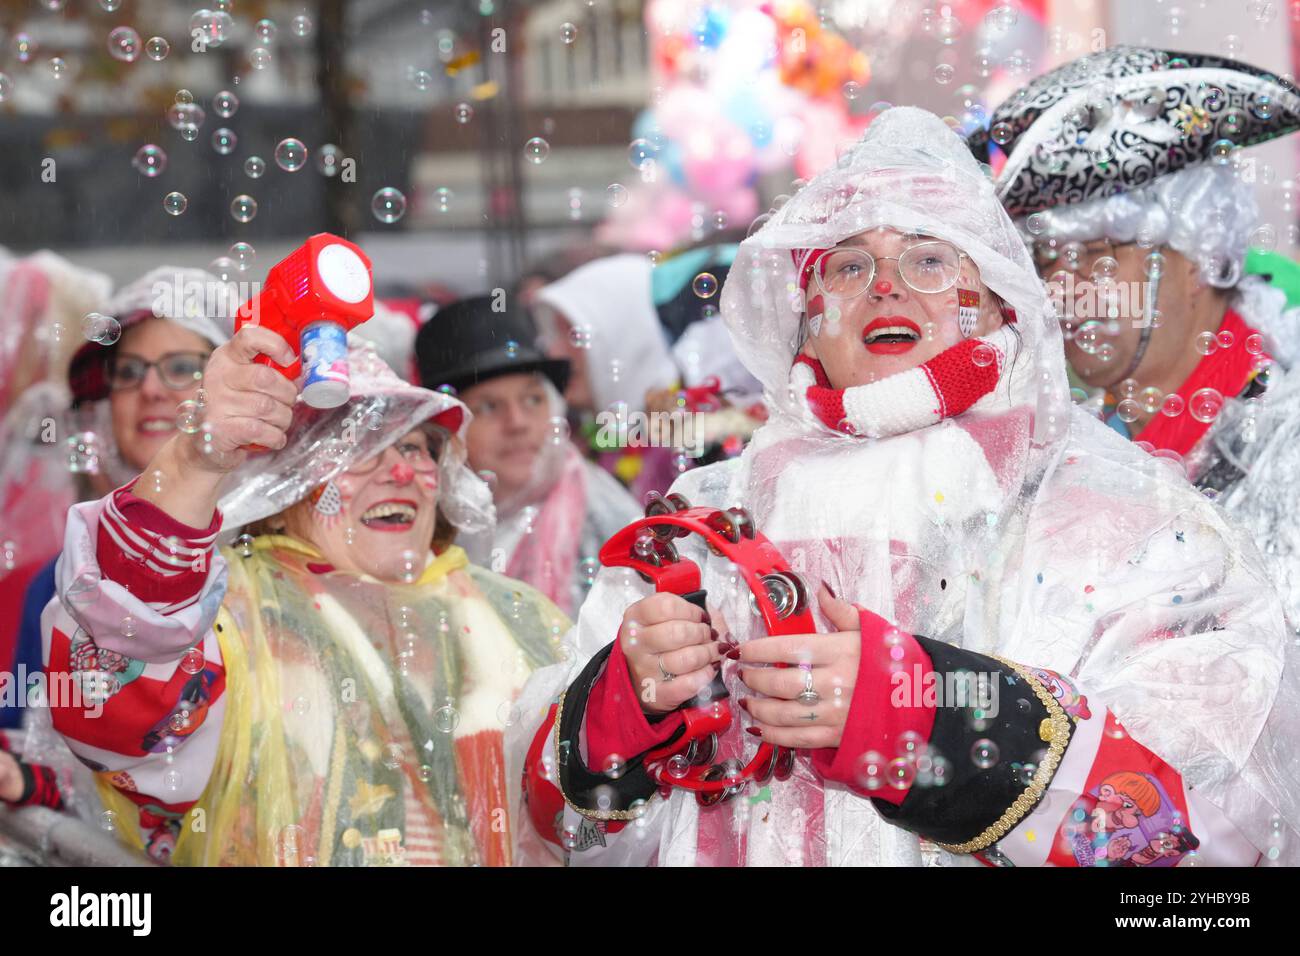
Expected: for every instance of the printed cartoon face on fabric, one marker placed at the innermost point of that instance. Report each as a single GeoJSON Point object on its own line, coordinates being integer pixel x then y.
{"type": "Point", "coordinates": [378, 517]}
{"type": "Point", "coordinates": [144, 397]}
{"type": "Point", "coordinates": [883, 302]}
{"type": "Point", "coordinates": [510, 426]}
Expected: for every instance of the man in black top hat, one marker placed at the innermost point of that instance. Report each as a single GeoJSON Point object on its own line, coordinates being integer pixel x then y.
{"type": "Point", "coordinates": [554, 508]}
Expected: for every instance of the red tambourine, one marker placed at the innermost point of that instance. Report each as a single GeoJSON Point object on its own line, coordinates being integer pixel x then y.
{"type": "Point", "coordinates": [777, 594]}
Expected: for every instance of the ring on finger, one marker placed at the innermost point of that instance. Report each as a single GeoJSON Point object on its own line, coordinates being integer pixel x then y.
{"type": "Point", "coordinates": [808, 695]}
{"type": "Point", "coordinates": [664, 675]}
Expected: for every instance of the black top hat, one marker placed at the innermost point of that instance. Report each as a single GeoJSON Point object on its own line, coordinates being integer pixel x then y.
{"type": "Point", "coordinates": [469, 342]}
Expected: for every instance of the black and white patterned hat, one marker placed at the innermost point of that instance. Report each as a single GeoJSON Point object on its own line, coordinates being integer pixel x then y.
{"type": "Point", "coordinates": [1114, 121]}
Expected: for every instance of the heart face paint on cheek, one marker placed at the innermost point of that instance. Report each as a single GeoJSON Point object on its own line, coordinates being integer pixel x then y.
{"type": "Point", "coordinates": [968, 311]}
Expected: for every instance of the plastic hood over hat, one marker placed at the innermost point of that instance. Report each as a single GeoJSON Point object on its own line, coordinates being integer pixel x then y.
{"type": "Point", "coordinates": [610, 303]}
{"type": "Point", "coordinates": [192, 298]}
{"type": "Point", "coordinates": [322, 444]}
{"type": "Point", "coordinates": [1020, 528]}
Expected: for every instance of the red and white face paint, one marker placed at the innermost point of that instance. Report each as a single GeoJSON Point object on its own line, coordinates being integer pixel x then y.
{"type": "Point", "coordinates": [379, 517]}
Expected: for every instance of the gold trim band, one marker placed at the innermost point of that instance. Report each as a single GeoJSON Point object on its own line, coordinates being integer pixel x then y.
{"type": "Point", "coordinates": [559, 782]}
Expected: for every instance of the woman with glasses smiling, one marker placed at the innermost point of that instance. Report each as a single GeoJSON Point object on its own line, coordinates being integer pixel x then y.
{"type": "Point", "coordinates": [127, 390]}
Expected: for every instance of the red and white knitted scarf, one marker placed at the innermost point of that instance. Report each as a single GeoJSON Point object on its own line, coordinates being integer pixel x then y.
{"type": "Point", "coordinates": [945, 386]}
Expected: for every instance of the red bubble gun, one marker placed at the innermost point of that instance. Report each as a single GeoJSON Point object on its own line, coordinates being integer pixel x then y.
{"type": "Point", "coordinates": [312, 298]}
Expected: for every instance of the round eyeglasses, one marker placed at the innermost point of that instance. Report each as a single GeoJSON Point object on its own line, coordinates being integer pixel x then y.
{"type": "Point", "coordinates": [929, 267]}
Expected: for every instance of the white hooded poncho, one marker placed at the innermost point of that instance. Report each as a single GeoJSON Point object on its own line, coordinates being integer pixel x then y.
{"type": "Point", "coordinates": [1021, 528]}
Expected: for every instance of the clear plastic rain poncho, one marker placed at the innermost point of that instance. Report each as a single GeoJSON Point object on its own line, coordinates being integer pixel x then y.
{"type": "Point", "coordinates": [1020, 528]}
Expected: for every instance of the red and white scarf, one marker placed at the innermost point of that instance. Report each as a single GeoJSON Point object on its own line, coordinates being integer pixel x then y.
{"type": "Point", "coordinates": [946, 385]}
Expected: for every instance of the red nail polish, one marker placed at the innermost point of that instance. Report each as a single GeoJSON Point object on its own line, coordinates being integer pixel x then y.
{"type": "Point", "coordinates": [754, 730]}
{"type": "Point", "coordinates": [744, 704]}
{"type": "Point", "coordinates": [831, 589]}
{"type": "Point", "coordinates": [713, 633]}
{"type": "Point", "coordinates": [733, 654]}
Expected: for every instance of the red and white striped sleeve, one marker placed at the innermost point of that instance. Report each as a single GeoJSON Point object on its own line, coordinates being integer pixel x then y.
{"type": "Point", "coordinates": [134, 667]}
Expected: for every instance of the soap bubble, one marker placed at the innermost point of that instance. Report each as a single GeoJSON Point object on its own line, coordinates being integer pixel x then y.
{"type": "Point", "coordinates": [705, 285]}
{"type": "Point", "coordinates": [175, 203]}
{"type": "Point", "coordinates": [983, 355]}
{"type": "Point", "coordinates": [393, 756]}
{"type": "Point", "coordinates": [225, 103]}
{"type": "Point", "coordinates": [104, 329]}
{"type": "Point", "coordinates": [463, 113]}
{"type": "Point", "coordinates": [446, 719]}
{"type": "Point", "coordinates": [224, 268]}
{"type": "Point", "coordinates": [243, 255]}
{"type": "Point", "coordinates": [1205, 405]}
{"type": "Point", "coordinates": [259, 58]}
{"type": "Point", "coordinates": [243, 208]}
{"type": "Point", "coordinates": [124, 44]}
{"type": "Point", "coordinates": [442, 198]}
{"type": "Point", "coordinates": [192, 661]}
{"type": "Point", "coordinates": [189, 416]}
{"type": "Point", "coordinates": [290, 155]}
{"type": "Point", "coordinates": [301, 26]}
{"type": "Point", "coordinates": [265, 30]}
{"type": "Point", "coordinates": [244, 545]}
{"type": "Point", "coordinates": [182, 115]}
{"type": "Point", "coordinates": [615, 194]}
{"type": "Point", "coordinates": [640, 152]}
{"type": "Point", "coordinates": [329, 159]}
{"type": "Point", "coordinates": [83, 453]}
{"type": "Point", "coordinates": [150, 160]}
{"type": "Point", "coordinates": [1206, 343]}
{"type": "Point", "coordinates": [157, 48]}
{"type": "Point", "coordinates": [984, 754]}
{"type": "Point", "coordinates": [254, 167]}
{"type": "Point", "coordinates": [388, 205]}
{"type": "Point", "coordinates": [1254, 343]}
{"type": "Point", "coordinates": [536, 150]}
{"type": "Point", "coordinates": [224, 141]}
{"type": "Point", "coordinates": [58, 67]}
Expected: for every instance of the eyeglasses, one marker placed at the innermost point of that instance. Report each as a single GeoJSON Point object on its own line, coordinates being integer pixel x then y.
{"type": "Point", "coordinates": [178, 370]}
{"type": "Point", "coordinates": [422, 450]}
{"type": "Point", "coordinates": [928, 267]}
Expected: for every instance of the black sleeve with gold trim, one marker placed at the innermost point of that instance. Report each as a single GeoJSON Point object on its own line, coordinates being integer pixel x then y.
{"type": "Point", "coordinates": [982, 801]}
{"type": "Point", "coordinates": [601, 796]}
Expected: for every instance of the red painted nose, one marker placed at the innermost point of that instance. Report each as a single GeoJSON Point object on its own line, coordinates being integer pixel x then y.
{"type": "Point", "coordinates": [402, 473]}
{"type": "Point", "coordinates": [884, 287]}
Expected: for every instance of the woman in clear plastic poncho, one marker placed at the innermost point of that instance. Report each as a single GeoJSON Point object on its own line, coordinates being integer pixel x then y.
{"type": "Point", "coordinates": [1127, 701]}
{"type": "Point", "coordinates": [332, 690]}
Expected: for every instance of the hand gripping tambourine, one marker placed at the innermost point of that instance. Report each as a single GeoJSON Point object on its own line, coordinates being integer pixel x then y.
{"type": "Point", "coordinates": [778, 595]}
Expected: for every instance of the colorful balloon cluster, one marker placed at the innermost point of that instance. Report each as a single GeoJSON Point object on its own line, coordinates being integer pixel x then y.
{"type": "Point", "coordinates": [742, 88]}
